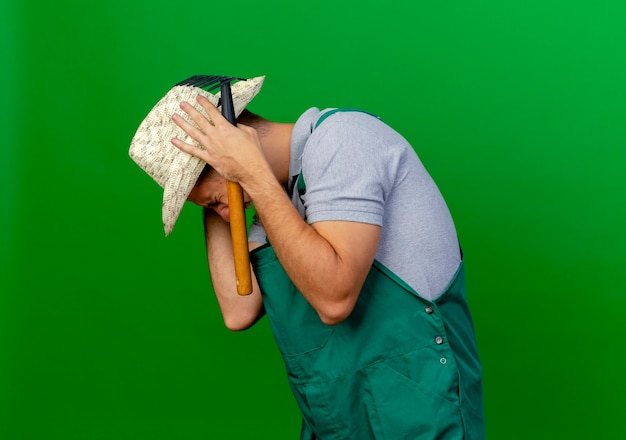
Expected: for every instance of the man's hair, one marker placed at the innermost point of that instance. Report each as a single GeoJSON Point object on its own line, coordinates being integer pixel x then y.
{"type": "Point", "coordinates": [246, 117]}
{"type": "Point", "coordinates": [253, 120]}
{"type": "Point", "coordinates": [207, 168]}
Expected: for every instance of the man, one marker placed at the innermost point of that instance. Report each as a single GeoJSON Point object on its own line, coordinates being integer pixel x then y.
{"type": "Point", "coordinates": [356, 263]}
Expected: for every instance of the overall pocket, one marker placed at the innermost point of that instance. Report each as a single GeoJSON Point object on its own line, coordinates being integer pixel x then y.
{"type": "Point", "coordinates": [413, 396]}
{"type": "Point", "coordinates": [416, 396]}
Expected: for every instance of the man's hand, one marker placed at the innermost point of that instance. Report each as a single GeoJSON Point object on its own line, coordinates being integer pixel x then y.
{"type": "Point", "coordinates": [233, 151]}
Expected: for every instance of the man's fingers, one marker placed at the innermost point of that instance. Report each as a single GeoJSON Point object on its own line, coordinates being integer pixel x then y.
{"type": "Point", "coordinates": [190, 129]}
{"type": "Point", "coordinates": [187, 148]}
{"type": "Point", "coordinates": [215, 116]}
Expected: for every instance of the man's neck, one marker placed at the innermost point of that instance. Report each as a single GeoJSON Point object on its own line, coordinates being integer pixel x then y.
{"type": "Point", "coordinates": [276, 145]}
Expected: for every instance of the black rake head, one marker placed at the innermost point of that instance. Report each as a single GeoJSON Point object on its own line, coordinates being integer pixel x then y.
{"type": "Point", "coordinates": [211, 82]}
{"type": "Point", "coordinates": [208, 82]}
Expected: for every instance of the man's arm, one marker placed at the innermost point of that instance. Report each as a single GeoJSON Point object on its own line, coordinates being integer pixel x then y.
{"type": "Point", "coordinates": [239, 312]}
{"type": "Point", "coordinates": [327, 261]}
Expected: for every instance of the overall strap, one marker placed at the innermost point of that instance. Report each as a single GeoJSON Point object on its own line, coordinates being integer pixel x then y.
{"type": "Point", "coordinates": [323, 117]}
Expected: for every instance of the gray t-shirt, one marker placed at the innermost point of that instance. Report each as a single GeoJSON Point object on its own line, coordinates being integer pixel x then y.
{"type": "Point", "coordinates": [357, 168]}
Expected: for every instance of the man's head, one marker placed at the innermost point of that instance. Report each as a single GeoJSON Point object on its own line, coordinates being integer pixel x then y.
{"type": "Point", "coordinates": [210, 188]}
{"type": "Point", "coordinates": [210, 192]}
{"type": "Point", "coordinates": [176, 171]}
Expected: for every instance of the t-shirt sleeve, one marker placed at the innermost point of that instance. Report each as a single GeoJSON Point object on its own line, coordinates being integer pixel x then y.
{"type": "Point", "coordinates": [257, 233]}
{"type": "Point", "coordinates": [347, 170]}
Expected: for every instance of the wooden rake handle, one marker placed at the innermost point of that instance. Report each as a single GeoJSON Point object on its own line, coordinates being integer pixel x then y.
{"type": "Point", "coordinates": [239, 236]}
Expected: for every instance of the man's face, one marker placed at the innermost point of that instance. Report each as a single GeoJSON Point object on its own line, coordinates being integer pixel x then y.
{"type": "Point", "coordinates": [211, 192]}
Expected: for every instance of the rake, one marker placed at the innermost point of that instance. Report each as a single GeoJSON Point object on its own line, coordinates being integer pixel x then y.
{"type": "Point", "coordinates": [238, 230]}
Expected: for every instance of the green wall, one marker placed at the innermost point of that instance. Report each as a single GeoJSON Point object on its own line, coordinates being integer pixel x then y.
{"type": "Point", "coordinates": [108, 330]}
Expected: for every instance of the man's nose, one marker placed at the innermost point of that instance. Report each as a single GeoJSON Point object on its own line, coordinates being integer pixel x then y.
{"type": "Point", "coordinates": [223, 211]}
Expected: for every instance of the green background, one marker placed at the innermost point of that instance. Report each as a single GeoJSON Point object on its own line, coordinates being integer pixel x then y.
{"type": "Point", "coordinates": [108, 330]}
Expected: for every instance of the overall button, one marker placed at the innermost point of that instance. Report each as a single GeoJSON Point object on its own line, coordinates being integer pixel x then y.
{"type": "Point", "coordinates": [429, 310]}
{"type": "Point", "coordinates": [438, 340]}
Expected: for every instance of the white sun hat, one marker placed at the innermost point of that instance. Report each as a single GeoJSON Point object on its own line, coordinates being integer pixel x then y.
{"type": "Point", "coordinates": [174, 170]}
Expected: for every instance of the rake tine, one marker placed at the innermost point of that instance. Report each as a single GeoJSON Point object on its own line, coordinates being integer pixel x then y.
{"type": "Point", "coordinates": [207, 82]}
{"type": "Point", "coordinates": [200, 81]}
